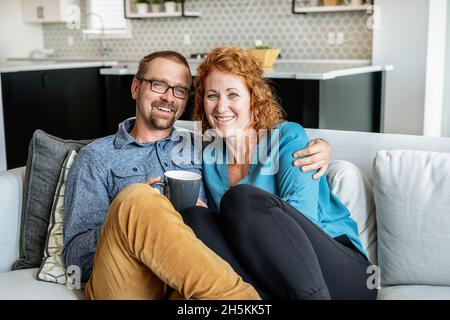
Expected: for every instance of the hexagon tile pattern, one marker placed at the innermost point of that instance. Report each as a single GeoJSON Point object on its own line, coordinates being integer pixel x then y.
{"type": "Point", "coordinates": [233, 22]}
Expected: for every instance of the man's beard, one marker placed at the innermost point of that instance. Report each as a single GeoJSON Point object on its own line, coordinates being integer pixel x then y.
{"type": "Point", "coordinates": [162, 123]}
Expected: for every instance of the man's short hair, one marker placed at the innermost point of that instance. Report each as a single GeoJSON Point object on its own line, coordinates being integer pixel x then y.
{"type": "Point", "coordinates": [169, 55]}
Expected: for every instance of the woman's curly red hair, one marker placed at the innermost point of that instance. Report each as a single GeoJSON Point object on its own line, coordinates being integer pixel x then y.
{"type": "Point", "coordinates": [266, 110]}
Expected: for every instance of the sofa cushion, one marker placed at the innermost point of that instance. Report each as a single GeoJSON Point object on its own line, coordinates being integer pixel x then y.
{"type": "Point", "coordinates": [355, 191]}
{"type": "Point", "coordinates": [52, 267]}
{"type": "Point", "coordinates": [10, 208]}
{"type": "Point", "coordinates": [46, 155]}
{"type": "Point", "coordinates": [22, 285]}
{"type": "Point", "coordinates": [412, 196]}
{"type": "Point", "coordinates": [414, 293]}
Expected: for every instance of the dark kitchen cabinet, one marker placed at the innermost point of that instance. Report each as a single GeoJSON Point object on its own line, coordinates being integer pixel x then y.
{"type": "Point", "coordinates": [67, 103]}
{"type": "Point", "coordinates": [345, 103]}
{"type": "Point", "coordinates": [351, 103]}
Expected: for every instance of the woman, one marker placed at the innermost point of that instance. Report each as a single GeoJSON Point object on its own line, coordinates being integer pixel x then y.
{"type": "Point", "coordinates": [281, 230]}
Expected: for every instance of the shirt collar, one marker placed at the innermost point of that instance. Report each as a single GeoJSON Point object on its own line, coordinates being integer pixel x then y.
{"type": "Point", "coordinates": [123, 137]}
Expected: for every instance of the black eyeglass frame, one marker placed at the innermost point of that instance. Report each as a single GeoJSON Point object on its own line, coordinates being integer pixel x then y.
{"type": "Point", "coordinates": [150, 81]}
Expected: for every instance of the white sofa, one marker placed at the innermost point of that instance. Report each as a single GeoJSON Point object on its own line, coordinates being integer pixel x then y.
{"type": "Point", "coordinates": [356, 147]}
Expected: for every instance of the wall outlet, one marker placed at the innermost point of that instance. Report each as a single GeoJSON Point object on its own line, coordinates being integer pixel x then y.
{"type": "Point", "coordinates": [70, 41]}
{"type": "Point", "coordinates": [340, 38]}
{"type": "Point", "coordinates": [187, 39]}
{"type": "Point", "coordinates": [335, 38]}
{"type": "Point", "coordinates": [331, 38]}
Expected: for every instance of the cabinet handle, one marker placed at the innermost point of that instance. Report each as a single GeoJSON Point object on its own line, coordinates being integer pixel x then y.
{"type": "Point", "coordinates": [47, 82]}
{"type": "Point", "coordinates": [40, 12]}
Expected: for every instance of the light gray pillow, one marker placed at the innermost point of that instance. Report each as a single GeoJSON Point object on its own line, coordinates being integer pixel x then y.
{"type": "Point", "coordinates": [355, 191]}
{"type": "Point", "coordinates": [46, 155]}
{"type": "Point", "coordinates": [412, 195]}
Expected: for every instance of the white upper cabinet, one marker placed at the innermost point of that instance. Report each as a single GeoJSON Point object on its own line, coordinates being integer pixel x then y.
{"type": "Point", "coordinates": [46, 10]}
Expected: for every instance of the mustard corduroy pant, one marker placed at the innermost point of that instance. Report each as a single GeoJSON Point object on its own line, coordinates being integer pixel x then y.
{"type": "Point", "coordinates": [145, 251]}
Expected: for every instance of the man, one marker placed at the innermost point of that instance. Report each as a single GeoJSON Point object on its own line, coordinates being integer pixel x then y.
{"type": "Point", "coordinates": [142, 248]}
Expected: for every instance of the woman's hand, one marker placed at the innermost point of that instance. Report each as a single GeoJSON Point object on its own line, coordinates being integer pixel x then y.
{"type": "Point", "coordinates": [316, 155]}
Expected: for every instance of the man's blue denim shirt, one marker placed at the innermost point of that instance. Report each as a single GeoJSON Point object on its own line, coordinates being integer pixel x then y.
{"type": "Point", "coordinates": [105, 167]}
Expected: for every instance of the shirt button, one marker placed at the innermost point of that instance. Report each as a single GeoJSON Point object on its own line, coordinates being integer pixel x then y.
{"type": "Point", "coordinates": [135, 169]}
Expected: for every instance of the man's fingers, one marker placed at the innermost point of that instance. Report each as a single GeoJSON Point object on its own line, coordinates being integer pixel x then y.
{"type": "Point", "coordinates": [316, 156]}
{"type": "Point", "coordinates": [308, 160]}
{"type": "Point", "coordinates": [152, 181]}
{"type": "Point", "coordinates": [313, 149]}
{"type": "Point", "coordinates": [313, 166]}
{"type": "Point", "coordinates": [320, 173]}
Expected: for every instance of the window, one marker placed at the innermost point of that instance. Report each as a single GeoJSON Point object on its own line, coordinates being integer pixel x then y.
{"type": "Point", "coordinates": [107, 15]}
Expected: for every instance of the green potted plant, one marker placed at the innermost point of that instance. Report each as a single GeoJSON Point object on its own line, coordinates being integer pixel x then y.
{"type": "Point", "coordinates": [265, 53]}
{"type": "Point", "coordinates": [331, 2]}
{"type": "Point", "coordinates": [156, 5]}
{"type": "Point", "coordinates": [356, 3]}
{"type": "Point", "coordinates": [178, 4]}
{"type": "Point", "coordinates": [141, 6]}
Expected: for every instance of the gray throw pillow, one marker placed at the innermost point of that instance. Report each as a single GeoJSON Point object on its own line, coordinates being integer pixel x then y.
{"type": "Point", "coordinates": [46, 155]}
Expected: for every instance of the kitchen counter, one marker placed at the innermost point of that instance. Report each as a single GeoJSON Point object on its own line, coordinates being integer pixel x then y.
{"type": "Point", "coordinates": [35, 65]}
{"type": "Point", "coordinates": [285, 69]}
{"type": "Point", "coordinates": [282, 69]}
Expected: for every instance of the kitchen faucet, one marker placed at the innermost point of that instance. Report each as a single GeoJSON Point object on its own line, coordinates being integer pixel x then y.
{"type": "Point", "coordinates": [105, 51]}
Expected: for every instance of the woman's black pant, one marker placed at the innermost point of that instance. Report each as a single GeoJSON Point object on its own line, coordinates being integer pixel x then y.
{"type": "Point", "coordinates": [278, 250]}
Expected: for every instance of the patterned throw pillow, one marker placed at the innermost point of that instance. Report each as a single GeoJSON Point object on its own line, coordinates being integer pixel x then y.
{"type": "Point", "coordinates": [52, 267]}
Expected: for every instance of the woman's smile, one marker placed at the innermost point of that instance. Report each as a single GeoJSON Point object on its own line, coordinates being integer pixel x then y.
{"type": "Point", "coordinates": [224, 119]}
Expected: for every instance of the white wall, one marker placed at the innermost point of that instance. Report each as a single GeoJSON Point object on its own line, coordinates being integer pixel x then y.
{"type": "Point", "coordinates": [446, 108]}
{"type": "Point", "coordinates": [413, 38]}
{"type": "Point", "coordinates": [17, 38]}
{"type": "Point", "coordinates": [402, 41]}
{"type": "Point", "coordinates": [2, 135]}
{"type": "Point", "coordinates": [434, 90]}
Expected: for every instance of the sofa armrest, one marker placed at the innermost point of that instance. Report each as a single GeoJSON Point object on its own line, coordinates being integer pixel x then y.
{"type": "Point", "coordinates": [11, 184]}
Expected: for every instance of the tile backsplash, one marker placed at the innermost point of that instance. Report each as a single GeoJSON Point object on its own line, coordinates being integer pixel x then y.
{"type": "Point", "coordinates": [233, 22]}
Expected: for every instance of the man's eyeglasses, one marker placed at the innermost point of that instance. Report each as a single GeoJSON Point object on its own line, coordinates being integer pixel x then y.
{"type": "Point", "coordinates": [159, 86]}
